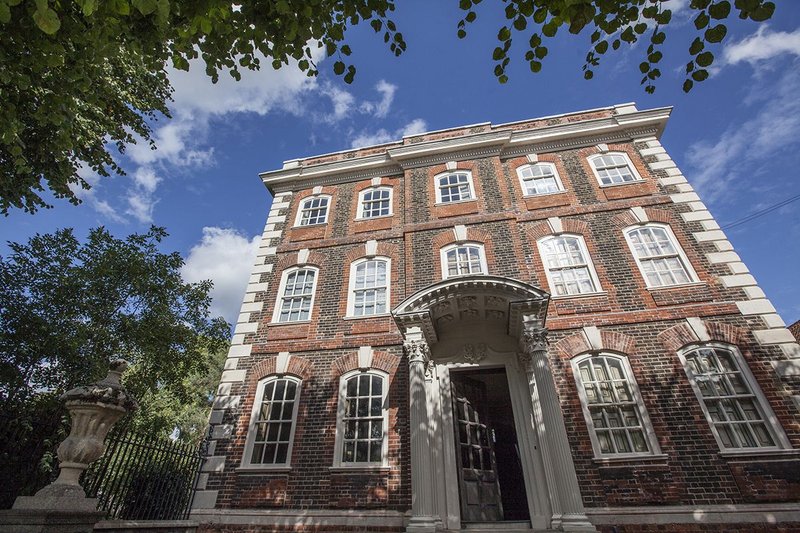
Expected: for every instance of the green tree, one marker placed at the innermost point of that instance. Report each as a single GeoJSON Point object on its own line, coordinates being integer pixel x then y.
{"type": "Point", "coordinates": [67, 308]}
{"type": "Point", "coordinates": [80, 76]}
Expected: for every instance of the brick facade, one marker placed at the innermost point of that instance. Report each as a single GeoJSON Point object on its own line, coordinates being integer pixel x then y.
{"type": "Point", "coordinates": [647, 325]}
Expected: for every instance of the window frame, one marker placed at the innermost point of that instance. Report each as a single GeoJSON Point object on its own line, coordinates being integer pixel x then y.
{"type": "Point", "coordinates": [631, 167]}
{"type": "Point", "coordinates": [680, 254]}
{"type": "Point", "coordinates": [351, 297]}
{"type": "Point", "coordinates": [769, 418]}
{"type": "Point", "coordinates": [338, 462]}
{"type": "Point", "coordinates": [247, 463]}
{"type": "Point", "coordinates": [439, 187]}
{"type": "Point", "coordinates": [276, 314]}
{"type": "Point", "coordinates": [360, 206]}
{"type": "Point", "coordinates": [589, 265]}
{"type": "Point", "coordinates": [481, 257]}
{"type": "Point", "coordinates": [553, 171]}
{"type": "Point", "coordinates": [641, 410]}
{"type": "Point", "coordinates": [298, 221]}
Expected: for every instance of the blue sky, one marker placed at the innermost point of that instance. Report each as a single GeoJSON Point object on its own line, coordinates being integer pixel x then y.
{"type": "Point", "coordinates": [736, 136]}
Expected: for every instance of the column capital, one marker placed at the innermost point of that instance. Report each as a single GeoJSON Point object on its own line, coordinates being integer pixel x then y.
{"type": "Point", "coordinates": [417, 351]}
{"type": "Point", "coordinates": [533, 339]}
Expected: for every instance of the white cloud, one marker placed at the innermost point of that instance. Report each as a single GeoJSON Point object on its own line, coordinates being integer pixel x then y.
{"type": "Point", "coordinates": [342, 103]}
{"type": "Point", "coordinates": [718, 164]}
{"type": "Point", "coordinates": [380, 109]}
{"type": "Point", "coordinates": [224, 256]}
{"type": "Point", "coordinates": [146, 179]}
{"type": "Point", "coordinates": [762, 46]}
{"type": "Point", "coordinates": [140, 206]}
{"type": "Point", "coordinates": [382, 135]}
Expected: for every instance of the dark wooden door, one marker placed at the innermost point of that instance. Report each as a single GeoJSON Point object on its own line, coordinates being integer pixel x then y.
{"type": "Point", "coordinates": [477, 472]}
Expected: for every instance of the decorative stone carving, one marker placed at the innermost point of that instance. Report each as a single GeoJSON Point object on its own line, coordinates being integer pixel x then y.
{"type": "Point", "coordinates": [474, 353]}
{"type": "Point", "coordinates": [94, 409]}
{"type": "Point", "coordinates": [533, 339]}
{"type": "Point", "coordinates": [417, 351]}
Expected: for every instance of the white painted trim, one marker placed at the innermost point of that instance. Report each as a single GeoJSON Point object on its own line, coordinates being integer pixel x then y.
{"type": "Point", "coordinates": [589, 264]}
{"type": "Point", "coordinates": [360, 205]}
{"type": "Point", "coordinates": [767, 513]}
{"type": "Point", "coordinates": [351, 286]}
{"type": "Point", "coordinates": [251, 430]}
{"type": "Point", "coordinates": [468, 244]}
{"type": "Point", "coordinates": [276, 313]}
{"type": "Point", "coordinates": [765, 409]}
{"type": "Point", "coordinates": [301, 208]}
{"type": "Point", "coordinates": [301, 517]}
{"type": "Point", "coordinates": [340, 412]}
{"type": "Point", "coordinates": [678, 248]}
{"type": "Point", "coordinates": [631, 167]}
{"type": "Point", "coordinates": [553, 171]}
{"type": "Point", "coordinates": [438, 188]}
{"type": "Point", "coordinates": [646, 424]}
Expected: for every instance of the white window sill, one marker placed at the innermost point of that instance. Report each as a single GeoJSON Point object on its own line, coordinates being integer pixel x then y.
{"type": "Point", "coordinates": [456, 202]}
{"type": "Point", "coordinates": [756, 453]}
{"type": "Point", "coordinates": [602, 186]}
{"type": "Point", "coordinates": [543, 194]}
{"type": "Point", "coordinates": [585, 295]}
{"type": "Point", "coordinates": [360, 468]}
{"type": "Point", "coordinates": [309, 225]}
{"type": "Point", "coordinates": [677, 286]}
{"type": "Point", "coordinates": [631, 458]}
{"type": "Point", "coordinates": [290, 323]}
{"type": "Point", "coordinates": [362, 219]}
{"type": "Point", "coordinates": [362, 317]}
{"type": "Point", "coordinates": [264, 469]}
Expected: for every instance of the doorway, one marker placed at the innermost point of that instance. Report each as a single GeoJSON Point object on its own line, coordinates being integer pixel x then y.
{"type": "Point", "coordinates": [490, 477]}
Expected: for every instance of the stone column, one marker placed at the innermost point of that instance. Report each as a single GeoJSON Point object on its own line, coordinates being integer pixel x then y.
{"type": "Point", "coordinates": [422, 483]}
{"type": "Point", "coordinates": [562, 481]}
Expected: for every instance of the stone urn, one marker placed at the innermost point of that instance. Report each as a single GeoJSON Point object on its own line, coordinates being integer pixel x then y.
{"type": "Point", "coordinates": [93, 409]}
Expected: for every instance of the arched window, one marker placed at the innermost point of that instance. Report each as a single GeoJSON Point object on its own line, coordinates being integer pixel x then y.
{"type": "Point", "coordinates": [613, 169]}
{"type": "Point", "coordinates": [568, 265]}
{"type": "Point", "coordinates": [617, 420]}
{"type": "Point", "coordinates": [660, 258]}
{"type": "Point", "coordinates": [375, 202]}
{"type": "Point", "coordinates": [540, 178]}
{"type": "Point", "coordinates": [454, 186]}
{"type": "Point", "coordinates": [272, 423]}
{"type": "Point", "coordinates": [313, 210]}
{"type": "Point", "coordinates": [463, 260]}
{"type": "Point", "coordinates": [735, 408]}
{"type": "Point", "coordinates": [369, 287]}
{"type": "Point", "coordinates": [296, 295]}
{"type": "Point", "coordinates": [362, 424]}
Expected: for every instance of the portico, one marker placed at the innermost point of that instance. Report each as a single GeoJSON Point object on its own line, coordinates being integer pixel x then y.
{"type": "Point", "coordinates": [466, 325]}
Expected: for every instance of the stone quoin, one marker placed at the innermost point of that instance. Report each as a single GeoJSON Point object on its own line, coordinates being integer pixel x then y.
{"type": "Point", "coordinates": [529, 326]}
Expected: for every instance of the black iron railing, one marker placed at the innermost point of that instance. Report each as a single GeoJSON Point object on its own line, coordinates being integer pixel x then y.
{"type": "Point", "coordinates": [141, 477]}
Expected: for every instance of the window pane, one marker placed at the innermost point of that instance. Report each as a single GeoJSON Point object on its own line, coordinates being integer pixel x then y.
{"type": "Point", "coordinates": [364, 419]}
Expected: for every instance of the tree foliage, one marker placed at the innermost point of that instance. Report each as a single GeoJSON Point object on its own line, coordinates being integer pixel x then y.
{"type": "Point", "coordinates": [612, 23]}
{"type": "Point", "coordinates": [77, 75]}
{"type": "Point", "coordinates": [67, 308]}
{"type": "Point", "coordinates": [80, 76]}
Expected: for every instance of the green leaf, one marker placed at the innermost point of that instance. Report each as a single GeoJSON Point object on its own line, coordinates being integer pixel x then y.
{"type": "Point", "coordinates": [145, 7]}
{"type": "Point", "coordinates": [655, 57]}
{"type": "Point", "coordinates": [601, 47]}
{"type": "Point", "coordinates": [640, 28]}
{"type": "Point", "coordinates": [659, 37]}
{"type": "Point", "coordinates": [498, 54]}
{"type": "Point", "coordinates": [520, 23]}
{"type": "Point", "coordinates": [503, 79]}
{"type": "Point", "coordinates": [471, 16]}
{"type": "Point", "coordinates": [338, 68]}
{"type": "Point", "coordinates": [720, 10]}
{"type": "Point", "coordinates": [705, 59]}
{"type": "Point", "coordinates": [121, 7]}
{"type": "Point", "coordinates": [588, 75]}
{"type": "Point", "coordinates": [376, 25]}
{"type": "Point", "coordinates": [346, 50]}
{"type": "Point", "coordinates": [697, 46]}
{"type": "Point", "coordinates": [464, 5]}
{"type": "Point", "coordinates": [89, 7]}
{"type": "Point", "coordinates": [461, 34]}
{"type": "Point", "coordinates": [504, 34]}
{"type": "Point", "coordinates": [687, 85]}
{"type": "Point", "coordinates": [701, 21]}
{"type": "Point", "coordinates": [5, 13]}
{"type": "Point", "coordinates": [351, 74]}
{"type": "Point", "coordinates": [536, 66]}
{"type": "Point", "coordinates": [541, 52]}
{"type": "Point", "coordinates": [616, 44]}
{"type": "Point", "coordinates": [716, 33]}
{"type": "Point", "coordinates": [644, 66]}
{"type": "Point", "coordinates": [700, 75]}
{"type": "Point", "coordinates": [763, 13]}
{"type": "Point", "coordinates": [550, 29]}
{"type": "Point", "coordinates": [47, 20]}
{"type": "Point", "coordinates": [539, 15]}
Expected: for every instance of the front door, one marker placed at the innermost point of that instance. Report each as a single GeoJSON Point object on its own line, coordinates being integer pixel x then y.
{"type": "Point", "coordinates": [477, 473]}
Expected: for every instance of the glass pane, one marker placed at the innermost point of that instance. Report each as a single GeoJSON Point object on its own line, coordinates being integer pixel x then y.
{"type": "Point", "coordinates": [375, 410]}
{"type": "Point", "coordinates": [476, 457]}
{"type": "Point", "coordinates": [639, 443]}
{"type": "Point", "coordinates": [462, 433]}
{"type": "Point", "coordinates": [268, 388]}
{"type": "Point", "coordinates": [275, 413]}
{"type": "Point", "coordinates": [280, 387]}
{"type": "Point", "coordinates": [473, 434]}
{"type": "Point", "coordinates": [261, 432]}
{"type": "Point", "coordinates": [621, 441]}
{"type": "Point", "coordinates": [280, 457]}
{"type": "Point", "coordinates": [350, 430]}
{"type": "Point", "coordinates": [352, 387]}
{"type": "Point", "coordinates": [763, 436]}
{"type": "Point", "coordinates": [363, 429]}
{"type": "Point", "coordinates": [258, 452]}
{"type": "Point", "coordinates": [376, 429]}
{"type": "Point", "coordinates": [350, 408]}
{"type": "Point", "coordinates": [269, 453]}
{"type": "Point", "coordinates": [487, 459]}
{"type": "Point", "coordinates": [363, 407]}
{"type": "Point", "coordinates": [272, 433]}
{"type": "Point", "coordinates": [604, 441]}
{"type": "Point", "coordinates": [465, 456]}
{"type": "Point", "coordinates": [375, 451]}
{"type": "Point", "coordinates": [377, 386]}
{"type": "Point", "coordinates": [348, 454]}
{"type": "Point", "coordinates": [286, 431]}
{"type": "Point", "coordinates": [291, 389]}
{"type": "Point", "coordinates": [362, 451]}
{"type": "Point", "coordinates": [363, 386]}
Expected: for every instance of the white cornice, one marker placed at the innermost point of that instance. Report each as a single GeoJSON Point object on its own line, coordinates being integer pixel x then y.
{"type": "Point", "coordinates": [629, 124]}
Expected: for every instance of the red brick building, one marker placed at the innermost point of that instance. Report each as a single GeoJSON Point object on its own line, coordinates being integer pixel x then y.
{"type": "Point", "coordinates": [528, 326]}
